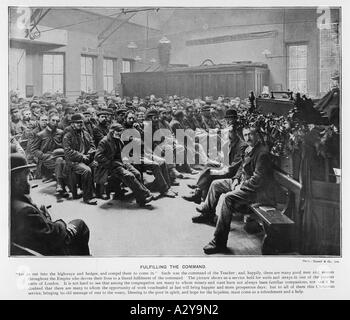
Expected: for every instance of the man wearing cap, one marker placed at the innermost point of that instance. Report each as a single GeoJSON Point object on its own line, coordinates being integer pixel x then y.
{"type": "Point", "coordinates": [120, 115]}
{"type": "Point", "coordinates": [252, 182]}
{"type": "Point", "coordinates": [65, 122]}
{"type": "Point", "coordinates": [47, 149]}
{"type": "Point", "coordinates": [110, 163]}
{"type": "Point", "coordinates": [79, 151]}
{"type": "Point", "coordinates": [32, 227]}
{"type": "Point", "coordinates": [101, 129]}
{"type": "Point", "coordinates": [88, 124]}
{"type": "Point", "coordinates": [36, 110]}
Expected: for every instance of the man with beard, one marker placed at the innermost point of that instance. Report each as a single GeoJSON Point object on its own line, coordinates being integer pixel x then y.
{"type": "Point", "coordinates": [28, 122]}
{"type": "Point", "coordinates": [17, 127]}
{"type": "Point", "coordinates": [190, 121]}
{"type": "Point", "coordinates": [36, 110]}
{"type": "Point", "coordinates": [110, 163]}
{"type": "Point", "coordinates": [101, 129]}
{"type": "Point", "coordinates": [253, 182]}
{"type": "Point", "coordinates": [32, 227]}
{"type": "Point", "coordinates": [88, 124]}
{"type": "Point", "coordinates": [47, 149]}
{"type": "Point", "coordinates": [120, 115]}
{"type": "Point", "coordinates": [65, 122]}
{"type": "Point", "coordinates": [79, 151]}
{"type": "Point", "coordinates": [157, 166]}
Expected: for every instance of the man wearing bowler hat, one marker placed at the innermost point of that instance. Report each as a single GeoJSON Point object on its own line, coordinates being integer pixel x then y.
{"type": "Point", "coordinates": [79, 151]}
{"type": "Point", "coordinates": [32, 227]}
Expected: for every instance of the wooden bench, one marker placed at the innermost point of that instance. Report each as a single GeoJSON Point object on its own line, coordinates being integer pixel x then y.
{"type": "Point", "coordinates": [18, 250]}
{"type": "Point", "coordinates": [279, 227]}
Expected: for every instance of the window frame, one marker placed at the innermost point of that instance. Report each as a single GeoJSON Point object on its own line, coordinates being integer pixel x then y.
{"type": "Point", "coordinates": [62, 54]}
{"type": "Point", "coordinates": [93, 74]}
{"type": "Point", "coordinates": [113, 60]}
{"type": "Point", "coordinates": [131, 61]}
{"type": "Point", "coordinates": [306, 68]}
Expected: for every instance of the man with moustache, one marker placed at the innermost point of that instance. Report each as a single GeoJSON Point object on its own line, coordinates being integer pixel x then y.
{"type": "Point", "coordinates": [79, 151]}
{"type": "Point", "coordinates": [110, 163]}
{"type": "Point", "coordinates": [47, 149]}
{"type": "Point", "coordinates": [252, 182]}
{"type": "Point", "coordinates": [32, 227]}
{"type": "Point", "coordinates": [101, 129]}
{"type": "Point", "coordinates": [17, 127]}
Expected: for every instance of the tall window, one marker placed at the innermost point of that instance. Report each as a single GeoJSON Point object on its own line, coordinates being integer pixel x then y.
{"type": "Point", "coordinates": [87, 73]}
{"type": "Point", "coordinates": [297, 68]}
{"type": "Point", "coordinates": [108, 75]}
{"type": "Point", "coordinates": [329, 55]}
{"type": "Point", "coordinates": [127, 66]}
{"type": "Point", "coordinates": [53, 73]}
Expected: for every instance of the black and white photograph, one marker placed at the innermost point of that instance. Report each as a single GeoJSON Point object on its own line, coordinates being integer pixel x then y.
{"type": "Point", "coordinates": [174, 131]}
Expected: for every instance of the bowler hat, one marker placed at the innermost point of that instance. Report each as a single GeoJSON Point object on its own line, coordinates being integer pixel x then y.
{"type": "Point", "coordinates": [77, 117]}
{"type": "Point", "coordinates": [19, 162]}
{"type": "Point", "coordinates": [116, 126]}
{"type": "Point", "coordinates": [151, 113]}
{"type": "Point", "coordinates": [103, 112]}
{"type": "Point", "coordinates": [231, 114]}
{"type": "Point", "coordinates": [121, 111]}
{"type": "Point", "coordinates": [58, 153]}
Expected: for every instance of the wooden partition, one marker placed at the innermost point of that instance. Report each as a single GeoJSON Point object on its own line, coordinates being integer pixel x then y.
{"type": "Point", "coordinates": [232, 80]}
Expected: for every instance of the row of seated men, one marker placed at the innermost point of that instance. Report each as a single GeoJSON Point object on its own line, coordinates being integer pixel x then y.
{"type": "Point", "coordinates": [73, 149]}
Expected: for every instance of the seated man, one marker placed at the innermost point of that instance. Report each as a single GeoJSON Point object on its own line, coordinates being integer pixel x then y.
{"type": "Point", "coordinates": [79, 151]}
{"type": "Point", "coordinates": [33, 228]}
{"type": "Point", "coordinates": [236, 146]}
{"type": "Point", "coordinates": [252, 183]}
{"type": "Point", "coordinates": [110, 163]}
{"type": "Point", "coordinates": [156, 165]}
{"type": "Point", "coordinates": [101, 129]}
{"type": "Point", "coordinates": [47, 149]}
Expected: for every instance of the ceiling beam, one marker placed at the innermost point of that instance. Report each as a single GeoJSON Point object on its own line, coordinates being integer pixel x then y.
{"type": "Point", "coordinates": [118, 26]}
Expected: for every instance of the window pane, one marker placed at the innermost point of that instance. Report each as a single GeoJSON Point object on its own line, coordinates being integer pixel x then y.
{"type": "Point", "coordinates": [302, 63]}
{"type": "Point", "coordinates": [58, 83]}
{"type": "Point", "coordinates": [302, 74]}
{"type": "Point", "coordinates": [89, 83]}
{"type": "Point", "coordinates": [302, 51]}
{"type": "Point", "coordinates": [110, 84]}
{"type": "Point", "coordinates": [292, 51]}
{"type": "Point", "coordinates": [47, 63]}
{"type": "Point", "coordinates": [110, 67]}
{"type": "Point", "coordinates": [47, 83]}
{"type": "Point", "coordinates": [89, 65]}
{"type": "Point", "coordinates": [293, 75]}
{"type": "Point", "coordinates": [126, 66]}
{"type": "Point", "coordinates": [58, 64]}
